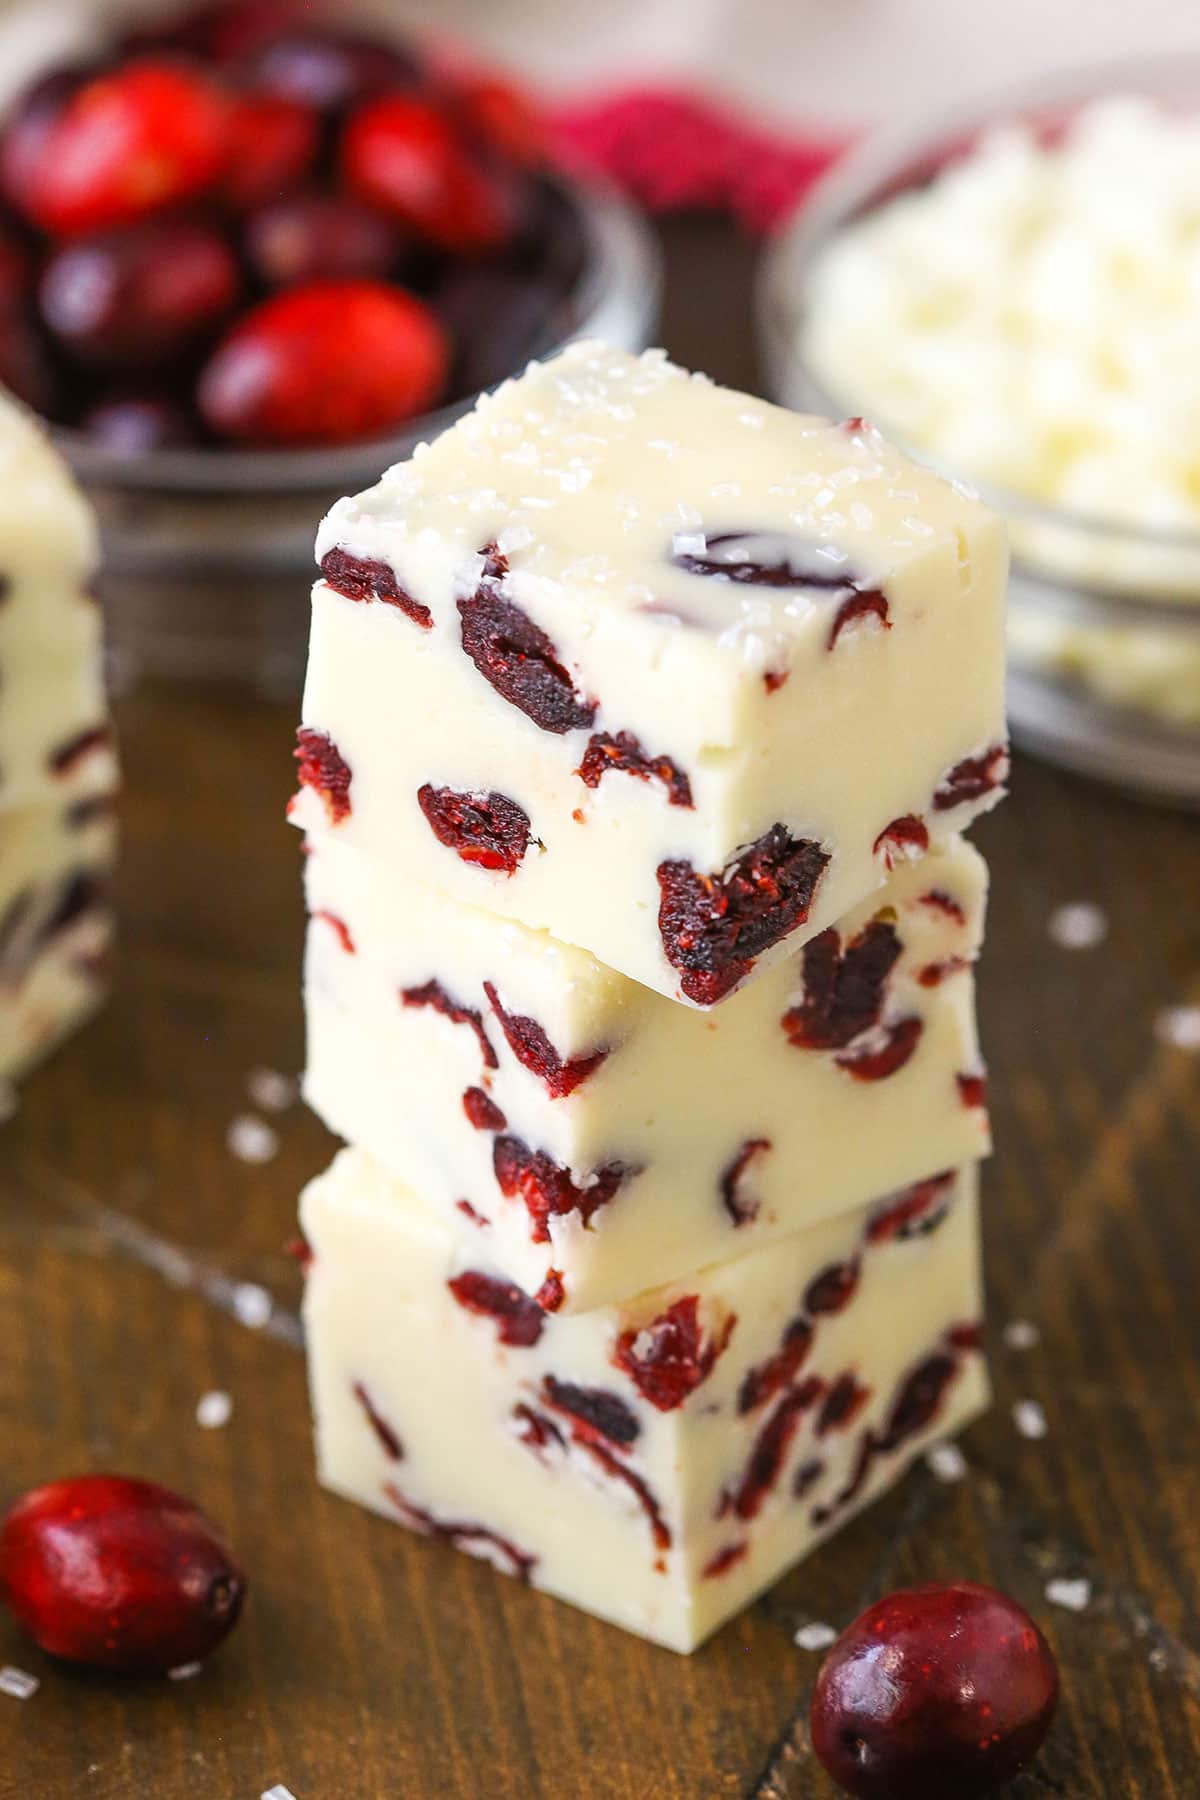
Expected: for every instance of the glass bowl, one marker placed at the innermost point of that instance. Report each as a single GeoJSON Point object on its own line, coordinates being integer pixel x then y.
{"type": "Point", "coordinates": [1104, 635]}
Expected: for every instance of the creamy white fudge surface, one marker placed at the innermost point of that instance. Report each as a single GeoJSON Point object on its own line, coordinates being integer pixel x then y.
{"type": "Point", "coordinates": [658, 1463]}
{"type": "Point", "coordinates": [654, 666]}
{"type": "Point", "coordinates": [55, 925]}
{"type": "Point", "coordinates": [595, 1137]}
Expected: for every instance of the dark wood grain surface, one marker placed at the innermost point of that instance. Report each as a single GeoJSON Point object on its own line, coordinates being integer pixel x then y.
{"type": "Point", "coordinates": [371, 1665]}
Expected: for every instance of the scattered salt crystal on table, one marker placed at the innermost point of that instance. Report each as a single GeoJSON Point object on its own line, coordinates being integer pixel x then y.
{"type": "Point", "coordinates": [252, 1140]}
{"type": "Point", "coordinates": [946, 1462]}
{"type": "Point", "coordinates": [252, 1305]}
{"type": "Point", "coordinates": [214, 1409]}
{"type": "Point", "coordinates": [18, 1684]}
{"type": "Point", "coordinates": [1179, 1026]}
{"type": "Point", "coordinates": [1158, 1659]}
{"type": "Point", "coordinates": [816, 1636]}
{"type": "Point", "coordinates": [184, 1671]}
{"type": "Point", "coordinates": [271, 1091]}
{"type": "Point", "coordinates": [278, 1792]}
{"type": "Point", "coordinates": [1030, 1419]}
{"type": "Point", "coordinates": [1021, 1334]}
{"type": "Point", "coordinates": [1078, 926]}
{"type": "Point", "coordinates": [1074, 1595]}
{"type": "Point", "coordinates": [8, 1101]}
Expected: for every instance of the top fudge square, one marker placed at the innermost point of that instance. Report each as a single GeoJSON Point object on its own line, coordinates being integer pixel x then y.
{"type": "Point", "coordinates": [668, 672]}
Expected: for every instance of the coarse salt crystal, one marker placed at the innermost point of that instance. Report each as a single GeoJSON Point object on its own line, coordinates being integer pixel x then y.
{"type": "Point", "coordinates": [946, 1462]}
{"type": "Point", "coordinates": [278, 1792]}
{"type": "Point", "coordinates": [18, 1684]}
{"type": "Point", "coordinates": [214, 1409]}
{"type": "Point", "coordinates": [1030, 1419]}
{"type": "Point", "coordinates": [270, 1090]}
{"type": "Point", "coordinates": [1179, 1026]}
{"type": "Point", "coordinates": [252, 1305]}
{"type": "Point", "coordinates": [1078, 925]}
{"type": "Point", "coordinates": [184, 1671]}
{"type": "Point", "coordinates": [1021, 1334]}
{"type": "Point", "coordinates": [1075, 1596]}
{"type": "Point", "coordinates": [252, 1140]}
{"type": "Point", "coordinates": [816, 1636]}
{"type": "Point", "coordinates": [1158, 1659]}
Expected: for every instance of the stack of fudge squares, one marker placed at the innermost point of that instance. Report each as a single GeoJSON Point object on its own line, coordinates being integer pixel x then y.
{"type": "Point", "coordinates": [58, 768]}
{"type": "Point", "coordinates": [641, 725]}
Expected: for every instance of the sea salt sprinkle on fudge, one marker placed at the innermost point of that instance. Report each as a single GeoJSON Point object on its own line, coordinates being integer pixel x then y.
{"type": "Point", "coordinates": [657, 1463]}
{"type": "Point", "coordinates": [596, 1139]}
{"type": "Point", "coordinates": [661, 669]}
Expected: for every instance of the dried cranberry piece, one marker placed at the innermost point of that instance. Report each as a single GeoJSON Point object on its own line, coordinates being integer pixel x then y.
{"type": "Point", "coordinates": [363, 578]}
{"type": "Point", "coordinates": [864, 604]}
{"type": "Point", "coordinates": [966, 1337]}
{"type": "Point", "coordinates": [80, 893]}
{"type": "Point", "coordinates": [741, 1207]}
{"type": "Point", "coordinates": [433, 994]}
{"type": "Point", "coordinates": [843, 989]}
{"type": "Point", "coordinates": [623, 751]}
{"type": "Point", "coordinates": [668, 1359]}
{"type": "Point", "coordinates": [488, 830]}
{"type": "Point", "coordinates": [807, 1477]}
{"type": "Point", "coordinates": [469, 1212]}
{"type": "Point", "coordinates": [379, 1425]}
{"type": "Point", "coordinates": [972, 778]}
{"type": "Point", "coordinates": [833, 1289]}
{"type": "Point", "coordinates": [875, 1062]}
{"type": "Point", "coordinates": [772, 1445]}
{"type": "Point", "coordinates": [482, 1110]}
{"type": "Point", "coordinates": [462, 1536]}
{"type": "Point", "coordinates": [67, 756]}
{"type": "Point", "coordinates": [339, 927]}
{"type": "Point", "coordinates": [764, 563]}
{"type": "Point", "coordinates": [933, 974]}
{"type": "Point", "coordinates": [944, 903]}
{"type": "Point", "coordinates": [764, 1382]}
{"type": "Point", "coordinates": [323, 768]}
{"type": "Point", "coordinates": [916, 1212]}
{"type": "Point", "coordinates": [118, 1574]}
{"type": "Point", "coordinates": [918, 1400]}
{"type": "Point", "coordinates": [552, 1292]}
{"type": "Point", "coordinates": [535, 1429]}
{"type": "Point", "coordinates": [519, 1320]}
{"type": "Point", "coordinates": [724, 1560]}
{"type": "Point", "coordinates": [934, 1693]}
{"type": "Point", "coordinates": [972, 1089]}
{"type": "Point", "coordinates": [842, 1404]}
{"type": "Point", "coordinates": [596, 1409]}
{"type": "Point", "coordinates": [906, 837]}
{"type": "Point", "coordinates": [548, 1189]}
{"type": "Point", "coordinates": [517, 658]}
{"type": "Point", "coordinates": [534, 1051]}
{"type": "Point", "coordinates": [599, 1452]}
{"type": "Point", "coordinates": [714, 926]}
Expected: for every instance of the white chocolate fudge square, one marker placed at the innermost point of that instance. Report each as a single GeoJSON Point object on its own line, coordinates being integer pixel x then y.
{"type": "Point", "coordinates": [55, 925]}
{"type": "Point", "coordinates": [657, 1463]}
{"type": "Point", "coordinates": [599, 1139]}
{"type": "Point", "coordinates": [655, 667]}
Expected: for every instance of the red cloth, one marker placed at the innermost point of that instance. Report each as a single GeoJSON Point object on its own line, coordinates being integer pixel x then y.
{"type": "Point", "coordinates": [675, 151]}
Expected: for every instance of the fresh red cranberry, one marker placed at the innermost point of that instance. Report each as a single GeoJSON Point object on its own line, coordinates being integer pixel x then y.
{"type": "Point", "coordinates": [118, 1574]}
{"type": "Point", "coordinates": [489, 830]}
{"type": "Point", "coordinates": [328, 363]}
{"type": "Point", "coordinates": [16, 271]}
{"type": "Point", "coordinates": [935, 1693]}
{"type": "Point", "coordinates": [843, 989]}
{"type": "Point", "coordinates": [518, 1319]}
{"type": "Point", "coordinates": [138, 297]}
{"type": "Point", "coordinates": [330, 69]}
{"type": "Point", "coordinates": [135, 424]}
{"type": "Point", "coordinates": [221, 30]}
{"type": "Point", "coordinates": [433, 994]}
{"type": "Point", "coordinates": [972, 778]}
{"type": "Point", "coordinates": [516, 657]}
{"type": "Point", "coordinates": [324, 769]}
{"type": "Point", "coordinates": [547, 1189]}
{"type": "Point", "coordinates": [406, 156]}
{"type": "Point", "coordinates": [27, 127]}
{"type": "Point", "coordinates": [741, 1206]}
{"type": "Point", "coordinates": [502, 118]}
{"type": "Point", "coordinates": [713, 926]}
{"type": "Point", "coordinates": [623, 751]}
{"type": "Point", "coordinates": [313, 236]}
{"type": "Point", "coordinates": [127, 143]}
{"type": "Point", "coordinates": [273, 145]}
{"type": "Point", "coordinates": [668, 1358]}
{"type": "Point", "coordinates": [534, 1051]}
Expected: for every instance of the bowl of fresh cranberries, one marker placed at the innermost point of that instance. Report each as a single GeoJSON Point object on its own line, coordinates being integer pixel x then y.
{"type": "Point", "coordinates": [251, 253]}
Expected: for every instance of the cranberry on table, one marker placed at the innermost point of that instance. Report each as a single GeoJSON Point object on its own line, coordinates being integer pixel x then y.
{"type": "Point", "coordinates": [406, 156]}
{"type": "Point", "coordinates": [273, 145]}
{"type": "Point", "coordinates": [316, 236]}
{"type": "Point", "coordinates": [119, 147]}
{"type": "Point", "coordinates": [934, 1693]}
{"type": "Point", "coordinates": [325, 364]}
{"type": "Point", "coordinates": [134, 424]}
{"type": "Point", "coordinates": [331, 70]}
{"type": "Point", "coordinates": [118, 1574]}
{"type": "Point", "coordinates": [137, 297]}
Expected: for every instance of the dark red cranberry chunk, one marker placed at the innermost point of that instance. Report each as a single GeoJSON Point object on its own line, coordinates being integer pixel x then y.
{"type": "Point", "coordinates": [741, 1206]}
{"type": "Point", "coordinates": [972, 1089]}
{"type": "Point", "coordinates": [843, 989]}
{"type": "Point", "coordinates": [489, 830]}
{"type": "Point", "coordinates": [392, 1447]}
{"type": "Point", "coordinates": [771, 1447]}
{"type": "Point", "coordinates": [517, 658]}
{"type": "Point", "coordinates": [833, 1289]}
{"type": "Point", "coordinates": [339, 928]}
{"type": "Point", "coordinates": [669, 1358]}
{"type": "Point", "coordinates": [480, 1540]}
{"type": "Point", "coordinates": [763, 1382]}
{"type": "Point", "coordinates": [519, 1320]}
{"type": "Point", "coordinates": [534, 1051]}
{"type": "Point", "coordinates": [906, 836]}
{"type": "Point", "coordinates": [324, 769]}
{"type": "Point", "coordinates": [714, 926]}
{"type": "Point", "coordinates": [549, 1190]}
{"type": "Point", "coordinates": [842, 1404]}
{"type": "Point", "coordinates": [935, 1693]}
{"type": "Point", "coordinates": [623, 751]}
{"type": "Point", "coordinates": [725, 1559]}
{"type": "Point", "coordinates": [433, 994]}
{"type": "Point", "coordinates": [870, 603]}
{"type": "Point", "coordinates": [765, 559]}
{"type": "Point", "coordinates": [916, 1212]}
{"type": "Point", "coordinates": [482, 1110]}
{"type": "Point", "coordinates": [876, 1061]}
{"type": "Point", "coordinates": [972, 778]}
{"type": "Point", "coordinates": [364, 578]}
{"type": "Point", "coordinates": [598, 1409]}
{"type": "Point", "coordinates": [66, 757]}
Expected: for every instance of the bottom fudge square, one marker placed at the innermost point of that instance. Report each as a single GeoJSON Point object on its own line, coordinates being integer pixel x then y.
{"type": "Point", "coordinates": [659, 1462]}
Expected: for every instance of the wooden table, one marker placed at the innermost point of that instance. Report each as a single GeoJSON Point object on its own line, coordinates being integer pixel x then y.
{"type": "Point", "coordinates": [374, 1666]}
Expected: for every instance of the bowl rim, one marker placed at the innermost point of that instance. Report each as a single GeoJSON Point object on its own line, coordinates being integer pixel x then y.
{"type": "Point", "coordinates": [623, 254]}
{"type": "Point", "coordinates": [890, 161]}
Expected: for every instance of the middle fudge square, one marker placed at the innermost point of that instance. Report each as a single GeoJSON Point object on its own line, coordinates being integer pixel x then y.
{"type": "Point", "coordinates": [590, 1138]}
{"type": "Point", "coordinates": [668, 672]}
